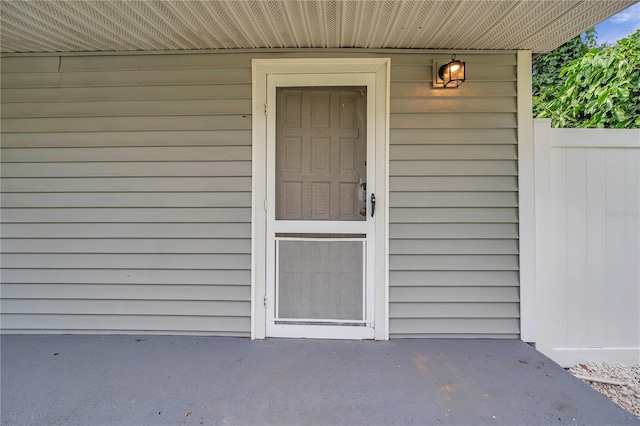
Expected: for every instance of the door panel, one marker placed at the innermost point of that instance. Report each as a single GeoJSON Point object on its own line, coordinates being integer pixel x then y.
{"type": "Point", "coordinates": [321, 279]}
{"type": "Point", "coordinates": [320, 153]}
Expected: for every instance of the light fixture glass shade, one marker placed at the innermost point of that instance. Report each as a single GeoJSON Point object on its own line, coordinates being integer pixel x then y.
{"type": "Point", "coordinates": [453, 73]}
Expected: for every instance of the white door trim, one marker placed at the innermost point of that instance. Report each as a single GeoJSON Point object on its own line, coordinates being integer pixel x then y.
{"type": "Point", "coordinates": [379, 69]}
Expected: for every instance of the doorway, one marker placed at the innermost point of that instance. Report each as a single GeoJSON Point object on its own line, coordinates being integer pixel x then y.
{"type": "Point", "coordinates": [320, 242]}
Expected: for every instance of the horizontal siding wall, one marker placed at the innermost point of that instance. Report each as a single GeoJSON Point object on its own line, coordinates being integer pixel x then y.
{"type": "Point", "coordinates": [453, 201]}
{"type": "Point", "coordinates": [127, 190]}
{"type": "Point", "coordinates": [126, 196]}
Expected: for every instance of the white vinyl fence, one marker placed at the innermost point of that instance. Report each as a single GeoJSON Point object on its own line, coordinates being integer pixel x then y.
{"type": "Point", "coordinates": [587, 244]}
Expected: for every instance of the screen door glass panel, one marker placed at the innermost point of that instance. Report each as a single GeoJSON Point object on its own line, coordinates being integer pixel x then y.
{"type": "Point", "coordinates": [320, 280]}
{"type": "Point", "coordinates": [321, 152]}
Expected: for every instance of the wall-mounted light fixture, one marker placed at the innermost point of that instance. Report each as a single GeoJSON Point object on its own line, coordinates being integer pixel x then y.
{"type": "Point", "coordinates": [451, 74]}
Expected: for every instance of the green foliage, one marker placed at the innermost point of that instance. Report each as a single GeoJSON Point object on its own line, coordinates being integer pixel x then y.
{"type": "Point", "coordinates": [547, 68]}
{"type": "Point", "coordinates": [599, 89]}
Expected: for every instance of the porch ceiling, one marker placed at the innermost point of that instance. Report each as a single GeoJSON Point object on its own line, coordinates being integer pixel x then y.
{"type": "Point", "coordinates": [90, 26]}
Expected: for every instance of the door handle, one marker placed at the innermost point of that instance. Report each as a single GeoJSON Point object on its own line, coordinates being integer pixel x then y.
{"type": "Point", "coordinates": [373, 204]}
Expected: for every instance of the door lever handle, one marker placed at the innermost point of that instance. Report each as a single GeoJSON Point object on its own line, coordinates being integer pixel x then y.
{"type": "Point", "coordinates": [373, 204]}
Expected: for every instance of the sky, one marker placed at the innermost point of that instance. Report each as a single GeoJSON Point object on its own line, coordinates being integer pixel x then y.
{"type": "Point", "coordinates": [619, 26]}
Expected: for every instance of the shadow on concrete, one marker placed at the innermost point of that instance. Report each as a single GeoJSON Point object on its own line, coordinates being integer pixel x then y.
{"type": "Point", "coordinates": [156, 380]}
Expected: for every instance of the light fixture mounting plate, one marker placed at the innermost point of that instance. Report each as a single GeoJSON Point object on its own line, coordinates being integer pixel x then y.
{"type": "Point", "coordinates": [437, 63]}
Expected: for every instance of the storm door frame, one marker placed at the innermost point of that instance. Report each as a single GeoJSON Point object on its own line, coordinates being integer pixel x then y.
{"type": "Point", "coordinates": [379, 70]}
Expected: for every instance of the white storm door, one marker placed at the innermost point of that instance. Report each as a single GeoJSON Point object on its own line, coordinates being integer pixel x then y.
{"type": "Point", "coordinates": [320, 227]}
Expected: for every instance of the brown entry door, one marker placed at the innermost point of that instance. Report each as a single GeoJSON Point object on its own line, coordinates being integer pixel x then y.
{"type": "Point", "coordinates": [321, 153]}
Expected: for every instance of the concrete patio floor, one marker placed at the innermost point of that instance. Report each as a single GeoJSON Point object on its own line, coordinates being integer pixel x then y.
{"type": "Point", "coordinates": [155, 380]}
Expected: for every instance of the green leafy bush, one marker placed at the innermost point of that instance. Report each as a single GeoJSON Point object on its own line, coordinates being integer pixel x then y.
{"type": "Point", "coordinates": [601, 89]}
{"type": "Point", "coordinates": [547, 68]}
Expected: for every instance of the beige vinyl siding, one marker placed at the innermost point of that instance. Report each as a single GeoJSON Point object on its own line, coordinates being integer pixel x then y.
{"type": "Point", "coordinates": [126, 201]}
{"type": "Point", "coordinates": [126, 197]}
{"type": "Point", "coordinates": [453, 203]}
